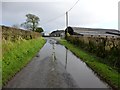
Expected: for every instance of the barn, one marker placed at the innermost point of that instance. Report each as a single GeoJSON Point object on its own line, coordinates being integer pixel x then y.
{"type": "Point", "coordinates": [57, 33]}
{"type": "Point", "coordinates": [92, 31]}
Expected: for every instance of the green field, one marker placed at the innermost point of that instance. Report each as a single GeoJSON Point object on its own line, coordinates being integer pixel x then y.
{"type": "Point", "coordinates": [111, 76]}
{"type": "Point", "coordinates": [17, 54]}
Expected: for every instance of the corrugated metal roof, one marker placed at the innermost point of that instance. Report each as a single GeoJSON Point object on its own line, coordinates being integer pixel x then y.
{"type": "Point", "coordinates": [94, 31]}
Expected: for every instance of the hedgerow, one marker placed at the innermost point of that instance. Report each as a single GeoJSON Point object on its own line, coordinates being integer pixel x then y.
{"type": "Point", "coordinates": [104, 47]}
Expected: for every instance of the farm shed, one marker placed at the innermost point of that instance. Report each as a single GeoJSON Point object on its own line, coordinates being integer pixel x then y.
{"type": "Point", "coordinates": [92, 31]}
{"type": "Point", "coordinates": [57, 33]}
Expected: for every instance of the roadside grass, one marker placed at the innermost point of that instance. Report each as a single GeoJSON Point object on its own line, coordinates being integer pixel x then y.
{"type": "Point", "coordinates": [17, 54]}
{"type": "Point", "coordinates": [111, 76]}
{"type": "Point", "coordinates": [0, 63]}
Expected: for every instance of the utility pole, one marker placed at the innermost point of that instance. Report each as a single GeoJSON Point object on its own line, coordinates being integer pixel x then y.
{"type": "Point", "coordinates": [67, 21]}
{"type": "Point", "coordinates": [66, 34]}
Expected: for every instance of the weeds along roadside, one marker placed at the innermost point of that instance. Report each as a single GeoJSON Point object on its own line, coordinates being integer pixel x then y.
{"type": "Point", "coordinates": [15, 55]}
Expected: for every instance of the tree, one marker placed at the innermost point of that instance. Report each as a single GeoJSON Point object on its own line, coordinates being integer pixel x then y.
{"type": "Point", "coordinates": [31, 23]}
{"type": "Point", "coordinates": [39, 29]}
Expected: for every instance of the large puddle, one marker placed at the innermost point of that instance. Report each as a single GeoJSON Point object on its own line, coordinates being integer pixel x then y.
{"type": "Point", "coordinates": [81, 73]}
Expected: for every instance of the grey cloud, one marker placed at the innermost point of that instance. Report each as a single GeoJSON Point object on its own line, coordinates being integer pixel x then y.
{"type": "Point", "coordinates": [81, 15]}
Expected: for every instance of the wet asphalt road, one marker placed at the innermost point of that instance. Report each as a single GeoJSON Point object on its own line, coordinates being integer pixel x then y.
{"type": "Point", "coordinates": [56, 67]}
{"type": "Point", "coordinates": [44, 71]}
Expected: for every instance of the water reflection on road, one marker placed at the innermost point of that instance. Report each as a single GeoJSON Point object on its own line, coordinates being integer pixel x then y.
{"type": "Point", "coordinates": [81, 73]}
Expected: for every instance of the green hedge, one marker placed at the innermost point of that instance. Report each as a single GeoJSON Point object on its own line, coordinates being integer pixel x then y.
{"type": "Point", "coordinates": [14, 34]}
{"type": "Point", "coordinates": [108, 74]}
{"type": "Point", "coordinates": [106, 48]}
{"type": "Point", "coordinates": [17, 54]}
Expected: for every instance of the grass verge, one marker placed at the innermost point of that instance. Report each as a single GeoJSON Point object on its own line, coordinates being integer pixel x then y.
{"type": "Point", "coordinates": [17, 54]}
{"type": "Point", "coordinates": [111, 76]}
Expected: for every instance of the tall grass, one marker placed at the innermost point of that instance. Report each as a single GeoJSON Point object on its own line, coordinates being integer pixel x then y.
{"type": "Point", "coordinates": [17, 54]}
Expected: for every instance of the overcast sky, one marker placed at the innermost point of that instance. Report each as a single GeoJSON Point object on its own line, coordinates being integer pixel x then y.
{"type": "Point", "coordinates": [86, 13]}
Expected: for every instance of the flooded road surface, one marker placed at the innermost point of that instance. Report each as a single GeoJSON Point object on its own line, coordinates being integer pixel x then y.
{"type": "Point", "coordinates": [56, 67]}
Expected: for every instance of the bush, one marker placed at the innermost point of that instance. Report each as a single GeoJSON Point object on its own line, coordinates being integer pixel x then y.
{"type": "Point", "coordinates": [39, 29]}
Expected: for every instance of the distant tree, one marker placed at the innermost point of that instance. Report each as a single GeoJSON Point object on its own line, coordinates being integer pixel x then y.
{"type": "Point", "coordinates": [39, 29]}
{"type": "Point", "coordinates": [16, 26]}
{"type": "Point", "coordinates": [31, 23]}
